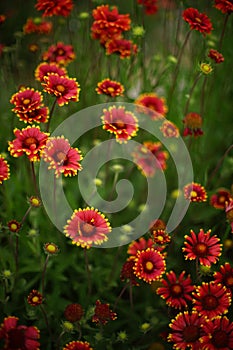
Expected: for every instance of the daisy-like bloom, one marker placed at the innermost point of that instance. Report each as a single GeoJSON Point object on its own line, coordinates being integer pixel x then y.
{"type": "Point", "coordinates": [73, 312]}
{"type": "Point", "coordinates": [155, 106]}
{"type": "Point", "coordinates": [120, 122]}
{"type": "Point", "coordinates": [35, 298]}
{"type": "Point", "coordinates": [186, 330]}
{"type": "Point", "coordinates": [61, 157]}
{"type": "Point", "coordinates": [19, 336]}
{"type": "Point", "coordinates": [29, 141]}
{"type": "Point", "coordinates": [211, 299]}
{"type": "Point", "coordinates": [103, 313]}
{"type": "Point", "coordinates": [140, 244]}
{"type": "Point", "coordinates": [63, 88]}
{"type": "Point", "coordinates": [195, 192]}
{"type": "Point", "coordinates": [78, 345]}
{"type": "Point", "coordinates": [35, 201]}
{"type": "Point", "coordinates": [149, 5]}
{"type": "Point", "coordinates": [51, 249]}
{"type": "Point", "coordinates": [26, 100]}
{"type": "Point", "coordinates": [127, 272]}
{"type": "Point", "coordinates": [216, 56]}
{"type": "Point", "coordinates": [149, 265]}
{"type": "Point", "coordinates": [206, 68]}
{"type": "Point", "coordinates": [4, 170]}
{"type": "Point", "coordinates": [218, 334]}
{"type": "Point", "coordinates": [160, 237]}
{"type": "Point", "coordinates": [197, 21]}
{"type": "Point", "coordinates": [169, 129]}
{"type": "Point", "coordinates": [150, 157]}
{"type": "Point", "coordinates": [59, 53]}
{"type": "Point", "coordinates": [123, 47]}
{"type": "Point", "coordinates": [225, 276]}
{"type": "Point", "coordinates": [39, 115]}
{"type": "Point", "coordinates": [14, 225]}
{"type": "Point", "coordinates": [110, 87]}
{"type": "Point", "coordinates": [87, 227]}
{"type": "Point", "coordinates": [44, 68]}
{"type": "Point", "coordinates": [192, 124]}
{"type": "Point", "coordinates": [38, 26]}
{"type": "Point", "coordinates": [225, 6]}
{"type": "Point", "coordinates": [176, 290]}
{"type": "Point", "coordinates": [229, 212]}
{"type": "Point", "coordinates": [202, 247]}
{"type": "Point", "coordinates": [54, 7]}
{"type": "Point", "coordinates": [219, 199]}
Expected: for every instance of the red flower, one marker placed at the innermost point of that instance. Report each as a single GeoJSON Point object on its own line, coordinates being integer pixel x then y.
{"type": "Point", "coordinates": [229, 212]}
{"type": "Point", "coordinates": [197, 21]}
{"type": "Point", "coordinates": [141, 244]}
{"type": "Point", "coordinates": [103, 314]}
{"type": "Point", "coordinates": [37, 26]}
{"type": "Point", "coordinates": [35, 298]}
{"type": "Point", "coordinates": [73, 312]}
{"type": "Point", "coordinates": [110, 87]}
{"type": "Point", "coordinates": [54, 7]}
{"type": "Point", "coordinates": [19, 336]}
{"type": "Point", "coordinates": [149, 158]}
{"type": "Point", "coordinates": [149, 265]}
{"type": "Point", "coordinates": [195, 192]}
{"type": "Point", "coordinates": [219, 199]}
{"type": "Point", "coordinates": [4, 170]}
{"type": "Point", "coordinates": [202, 247]}
{"type": "Point", "coordinates": [225, 6]}
{"type": "Point", "coordinates": [186, 330]}
{"type": "Point", "coordinates": [2, 18]}
{"type": "Point", "coordinates": [87, 227]}
{"type": "Point", "coordinates": [127, 272]}
{"type": "Point", "coordinates": [14, 225]}
{"type": "Point", "coordinates": [59, 53]}
{"type": "Point", "coordinates": [29, 141]}
{"type": "Point", "coordinates": [78, 345]}
{"type": "Point", "coordinates": [216, 56]}
{"type": "Point", "coordinates": [155, 105]}
{"type": "Point", "coordinates": [123, 47]}
{"type": "Point", "coordinates": [211, 299]}
{"type": "Point", "coordinates": [120, 122]}
{"type": "Point", "coordinates": [157, 225]}
{"type": "Point", "coordinates": [150, 6]}
{"type": "Point", "coordinates": [169, 129]}
{"type": "Point", "coordinates": [160, 237]}
{"type": "Point", "coordinates": [225, 276]}
{"type": "Point", "coordinates": [39, 115]}
{"type": "Point", "coordinates": [45, 68]}
{"type": "Point", "coordinates": [65, 89]}
{"type": "Point", "coordinates": [26, 100]}
{"type": "Point", "coordinates": [192, 124]}
{"type": "Point", "coordinates": [218, 334]}
{"type": "Point", "coordinates": [62, 157]}
{"type": "Point", "coordinates": [176, 290]}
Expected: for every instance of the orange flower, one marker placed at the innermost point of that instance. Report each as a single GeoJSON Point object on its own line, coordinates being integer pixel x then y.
{"type": "Point", "coordinates": [54, 7]}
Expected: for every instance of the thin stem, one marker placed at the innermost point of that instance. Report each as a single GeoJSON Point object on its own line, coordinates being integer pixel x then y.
{"type": "Point", "coordinates": [191, 92]}
{"type": "Point", "coordinates": [88, 271]}
{"type": "Point", "coordinates": [203, 97]}
{"type": "Point", "coordinates": [25, 215]}
{"type": "Point", "coordinates": [43, 274]}
{"type": "Point", "coordinates": [223, 31]}
{"type": "Point", "coordinates": [16, 254]}
{"type": "Point", "coordinates": [51, 113]}
{"type": "Point", "coordinates": [131, 295]}
{"type": "Point", "coordinates": [54, 199]}
{"type": "Point", "coordinates": [46, 320]}
{"type": "Point", "coordinates": [34, 179]}
{"type": "Point", "coordinates": [120, 295]}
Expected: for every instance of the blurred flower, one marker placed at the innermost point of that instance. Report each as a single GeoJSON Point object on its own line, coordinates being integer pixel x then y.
{"type": "Point", "coordinates": [35, 201]}
{"type": "Point", "coordinates": [192, 124]}
{"type": "Point", "coordinates": [216, 56]}
{"type": "Point", "coordinates": [218, 333]}
{"type": "Point", "coordinates": [67, 327]}
{"type": "Point", "coordinates": [197, 21]}
{"type": "Point", "coordinates": [6, 274]}
{"type": "Point", "coordinates": [26, 100]}
{"type": "Point", "coordinates": [202, 247]}
{"type": "Point", "coordinates": [157, 225]}
{"type": "Point", "coordinates": [33, 47]}
{"type": "Point", "coordinates": [61, 157]}
{"type": "Point", "coordinates": [186, 330]}
{"type": "Point", "coordinates": [84, 15]}
{"type": "Point", "coordinates": [229, 212]}
{"type": "Point", "coordinates": [4, 170]}
{"type": "Point", "coordinates": [176, 290]}
{"type": "Point", "coordinates": [35, 298]}
{"type": "Point", "coordinates": [19, 336]}
{"type": "Point", "coordinates": [14, 226]}
{"type": "Point", "coordinates": [145, 327]}
{"type": "Point", "coordinates": [225, 6]}
{"type": "Point", "coordinates": [73, 312]}
{"type": "Point", "coordinates": [140, 244]}
{"type": "Point", "coordinates": [160, 237]}
{"type": "Point", "coordinates": [29, 141]}
{"type": "Point", "coordinates": [63, 88]}
{"type": "Point", "coordinates": [150, 6]}
{"type": "Point", "coordinates": [127, 272]}
{"type": "Point", "coordinates": [86, 227]}
{"type": "Point", "coordinates": [169, 129]}
{"type": "Point", "coordinates": [98, 182]}
{"type": "Point", "coordinates": [122, 336]}
{"type": "Point", "coordinates": [205, 68]}
{"type": "Point", "coordinates": [219, 199]}
{"type": "Point", "coordinates": [225, 276]}
{"type": "Point", "coordinates": [78, 345]}
{"type": "Point", "coordinates": [39, 27]}
{"type": "Point", "coordinates": [44, 68]}
{"type": "Point", "coordinates": [120, 122]}
{"type": "Point", "coordinates": [155, 106]}
{"type": "Point", "coordinates": [211, 299]}
{"type": "Point", "coordinates": [59, 53]}
{"type": "Point", "coordinates": [110, 87]}
{"type": "Point", "coordinates": [2, 18]}
{"type": "Point", "coordinates": [138, 31]}
{"type": "Point", "coordinates": [103, 314]}
{"type": "Point", "coordinates": [195, 192]}
{"type": "Point", "coordinates": [32, 233]}
{"type": "Point", "coordinates": [149, 265]}
{"type": "Point", "coordinates": [54, 8]}
{"type": "Point", "coordinates": [123, 47]}
{"type": "Point", "coordinates": [51, 249]}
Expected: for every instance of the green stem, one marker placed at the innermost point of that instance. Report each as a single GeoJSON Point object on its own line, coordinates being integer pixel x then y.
{"type": "Point", "coordinates": [223, 31]}
{"type": "Point", "coordinates": [51, 113]}
{"type": "Point", "coordinates": [88, 271]}
{"type": "Point", "coordinates": [191, 92]}
{"type": "Point", "coordinates": [43, 274]}
{"type": "Point", "coordinates": [34, 179]}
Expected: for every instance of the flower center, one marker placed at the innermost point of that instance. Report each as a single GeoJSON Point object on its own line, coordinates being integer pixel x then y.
{"type": "Point", "coordinates": [60, 157]}
{"type": "Point", "coordinates": [60, 88]}
{"type": "Point", "coordinates": [198, 19]}
{"type": "Point", "coordinates": [210, 302]}
{"type": "Point", "coordinates": [119, 124]}
{"type": "Point", "coordinates": [220, 339]}
{"type": "Point", "coordinates": [14, 227]}
{"type": "Point", "coordinates": [222, 199]}
{"type": "Point", "coordinates": [35, 299]}
{"type": "Point", "coordinates": [51, 248]}
{"type": "Point", "coordinates": [16, 339]}
{"type": "Point", "coordinates": [110, 89]}
{"type": "Point", "coordinates": [87, 229]}
{"type": "Point", "coordinates": [229, 281]}
{"type": "Point", "coordinates": [29, 141]}
{"type": "Point", "coordinates": [26, 101]}
{"type": "Point", "coordinates": [191, 334]}
{"type": "Point", "coordinates": [201, 249]}
{"type": "Point", "coordinates": [176, 290]}
{"type": "Point", "coordinates": [149, 265]}
{"type": "Point", "coordinates": [193, 194]}
{"type": "Point", "coordinates": [60, 52]}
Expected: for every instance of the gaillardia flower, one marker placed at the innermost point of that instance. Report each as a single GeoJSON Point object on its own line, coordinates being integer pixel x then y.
{"type": "Point", "coordinates": [87, 227]}
{"type": "Point", "coordinates": [205, 68]}
{"type": "Point", "coordinates": [176, 290]}
{"type": "Point", "coordinates": [219, 199]}
{"type": "Point", "coordinates": [54, 7]}
{"type": "Point", "coordinates": [160, 237]}
{"type": "Point", "coordinates": [14, 225]}
{"type": "Point", "coordinates": [211, 299]}
{"type": "Point", "coordinates": [38, 26]}
{"type": "Point", "coordinates": [39, 115]}
{"type": "Point", "coordinates": [216, 56]}
{"type": "Point", "coordinates": [225, 276]}
{"type": "Point", "coordinates": [103, 313]}
{"type": "Point", "coordinates": [35, 298]}
{"type": "Point", "coordinates": [4, 170]}
{"type": "Point", "coordinates": [155, 106]}
{"type": "Point", "coordinates": [195, 192]}
{"type": "Point", "coordinates": [197, 21]}
{"type": "Point", "coordinates": [149, 5]}
{"type": "Point", "coordinates": [51, 249]}
{"type": "Point", "coordinates": [120, 122]}
{"type": "Point", "coordinates": [59, 53]}
{"type": "Point", "coordinates": [26, 100]}
{"type": "Point", "coordinates": [202, 247]}
{"type": "Point", "coordinates": [169, 129]}
{"type": "Point", "coordinates": [44, 68]}
{"type": "Point", "coordinates": [73, 312]}
{"type": "Point", "coordinates": [78, 345]}
{"type": "Point", "coordinates": [225, 6]}
{"type": "Point", "coordinates": [122, 47]}
{"type": "Point", "coordinates": [61, 157]}
{"type": "Point", "coordinates": [218, 334]}
{"type": "Point", "coordinates": [110, 87]}
{"type": "Point", "coordinates": [140, 244]}
{"type": "Point", "coordinates": [18, 336]}
{"type": "Point", "coordinates": [192, 124]}
{"type": "Point", "coordinates": [127, 272]}
{"type": "Point", "coordinates": [149, 265]}
{"type": "Point", "coordinates": [29, 141]}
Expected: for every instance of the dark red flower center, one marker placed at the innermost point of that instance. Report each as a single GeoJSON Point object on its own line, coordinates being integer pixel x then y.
{"type": "Point", "coordinates": [30, 141]}
{"type": "Point", "coordinates": [210, 302]}
{"type": "Point", "coordinates": [176, 290]}
{"type": "Point", "coordinates": [60, 52]}
{"type": "Point", "coordinates": [60, 157]}
{"type": "Point", "coordinates": [111, 17]}
{"type": "Point", "coordinates": [60, 88]}
{"type": "Point", "coordinates": [191, 333]}
{"type": "Point", "coordinates": [201, 249]}
{"type": "Point", "coordinates": [87, 229]}
{"type": "Point", "coordinates": [119, 124]}
{"type": "Point", "coordinates": [220, 339]}
{"type": "Point", "coordinates": [16, 339]}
